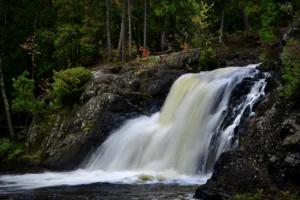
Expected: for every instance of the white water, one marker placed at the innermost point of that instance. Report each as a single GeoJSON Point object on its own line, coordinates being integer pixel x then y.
{"type": "Point", "coordinates": [173, 146]}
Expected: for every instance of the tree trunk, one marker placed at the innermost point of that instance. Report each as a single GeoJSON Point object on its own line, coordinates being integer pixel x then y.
{"type": "Point", "coordinates": [164, 43]}
{"type": "Point", "coordinates": [129, 29]}
{"type": "Point", "coordinates": [125, 4]}
{"type": "Point", "coordinates": [109, 48]}
{"type": "Point", "coordinates": [221, 25]}
{"type": "Point", "coordinates": [138, 37]}
{"type": "Point", "coordinates": [122, 33]}
{"type": "Point", "coordinates": [246, 19]}
{"type": "Point", "coordinates": [34, 49]}
{"type": "Point", "coordinates": [145, 23]}
{"type": "Point", "coordinates": [79, 54]}
{"type": "Point", "coordinates": [8, 116]}
{"type": "Point", "coordinates": [33, 65]}
{"type": "Point", "coordinates": [70, 59]}
{"type": "Point", "coordinates": [119, 52]}
{"type": "Point", "coordinates": [75, 55]}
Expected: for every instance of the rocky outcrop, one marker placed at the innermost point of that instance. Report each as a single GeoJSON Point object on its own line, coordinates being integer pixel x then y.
{"type": "Point", "coordinates": [244, 57]}
{"type": "Point", "coordinates": [268, 153]}
{"type": "Point", "coordinates": [62, 140]}
{"type": "Point", "coordinates": [269, 144]}
{"type": "Point", "coordinates": [233, 172]}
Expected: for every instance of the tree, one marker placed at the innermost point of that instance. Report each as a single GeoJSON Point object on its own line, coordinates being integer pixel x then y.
{"type": "Point", "coordinates": [109, 48]}
{"type": "Point", "coordinates": [221, 4]}
{"type": "Point", "coordinates": [5, 100]}
{"type": "Point", "coordinates": [121, 46]}
{"type": "Point", "coordinates": [145, 24]}
{"type": "Point", "coordinates": [129, 29]}
{"type": "Point", "coordinates": [245, 18]}
{"type": "Point", "coordinates": [31, 46]}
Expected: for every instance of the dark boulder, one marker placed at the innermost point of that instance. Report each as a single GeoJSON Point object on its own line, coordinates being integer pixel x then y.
{"type": "Point", "coordinates": [233, 173]}
{"type": "Point", "coordinates": [242, 58]}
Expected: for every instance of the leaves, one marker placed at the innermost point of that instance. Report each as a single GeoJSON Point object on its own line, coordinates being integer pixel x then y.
{"type": "Point", "coordinates": [291, 61]}
{"type": "Point", "coordinates": [68, 85]}
{"type": "Point", "coordinates": [24, 98]}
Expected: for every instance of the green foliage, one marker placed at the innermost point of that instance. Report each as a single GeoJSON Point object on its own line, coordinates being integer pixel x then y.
{"type": "Point", "coordinates": [269, 55]}
{"type": "Point", "coordinates": [65, 34]}
{"type": "Point", "coordinates": [267, 10]}
{"type": "Point", "coordinates": [291, 62]}
{"type": "Point", "coordinates": [267, 34]}
{"type": "Point", "coordinates": [203, 21]}
{"type": "Point", "coordinates": [268, 16]}
{"type": "Point", "coordinates": [24, 99]}
{"type": "Point", "coordinates": [267, 195]}
{"type": "Point", "coordinates": [286, 7]}
{"type": "Point", "coordinates": [208, 61]}
{"type": "Point", "coordinates": [268, 13]}
{"type": "Point", "coordinates": [32, 158]}
{"type": "Point", "coordinates": [10, 151]}
{"type": "Point", "coordinates": [68, 85]}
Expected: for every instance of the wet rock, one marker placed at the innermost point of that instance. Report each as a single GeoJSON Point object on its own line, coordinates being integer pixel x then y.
{"type": "Point", "coordinates": [234, 173]}
{"type": "Point", "coordinates": [243, 58]}
{"type": "Point", "coordinates": [181, 59]}
{"type": "Point", "coordinates": [205, 193]}
{"type": "Point", "coordinates": [292, 141]}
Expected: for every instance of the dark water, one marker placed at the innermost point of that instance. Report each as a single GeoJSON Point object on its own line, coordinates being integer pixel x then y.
{"type": "Point", "coordinates": [105, 191]}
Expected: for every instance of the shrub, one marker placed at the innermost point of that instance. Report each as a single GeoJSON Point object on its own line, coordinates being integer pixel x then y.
{"type": "Point", "coordinates": [9, 151]}
{"type": "Point", "coordinates": [272, 194]}
{"type": "Point", "coordinates": [208, 61]}
{"type": "Point", "coordinates": [291, 62]}
{"type": "Point", "coordinates": [68, 85]}
{"type": "Point", "coordinates": [24, 99]}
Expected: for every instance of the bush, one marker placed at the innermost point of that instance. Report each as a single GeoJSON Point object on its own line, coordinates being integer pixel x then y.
{"type": "Point", "coordinates": [272, 194]}
{"type": "Point", "coordinates": [24, 99]}
{"type": "Point", "coordinates": [291, 62]}
{"type": "Point", "coordinates": [208, 61]}
{"type": "Point", "coordinates": [68, 86]}
{"type": "Point", "coordinates": [9, 151]}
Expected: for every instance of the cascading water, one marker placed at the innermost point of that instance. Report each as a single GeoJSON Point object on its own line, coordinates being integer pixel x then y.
{"type": "Point", "coordinates": [180, 137]}
{"type": "Point", "coordinates": [198, 122]}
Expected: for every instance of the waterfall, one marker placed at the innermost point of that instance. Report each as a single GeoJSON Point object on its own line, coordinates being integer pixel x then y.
{"type": "Point", "coordinates": [199, 120]}
{"type": "Point", "coordinates": [181, 136]}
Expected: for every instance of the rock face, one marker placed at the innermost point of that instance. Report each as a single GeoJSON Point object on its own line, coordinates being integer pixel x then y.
{"type": "Point", "coordinates": [233, 172]}
{"type": "Point", "coordinates": [245, 57]}
{"type": "Point", "coordinates": [268, 155]}
{"type": "Point", "coordinates": [62, 140]}
{"type": "Point", "coordinates": [273, 139]}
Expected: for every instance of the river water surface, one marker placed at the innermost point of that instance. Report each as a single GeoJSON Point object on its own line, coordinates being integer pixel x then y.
{"type": "Point", "coordinates": [106, 191]}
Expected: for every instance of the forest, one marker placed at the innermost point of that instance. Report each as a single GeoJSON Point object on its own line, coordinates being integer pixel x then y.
{"type": "Point", "coordinates": [48, 48]}
{"type": "Point", "coordinates": [39, 37]}
{"type": "Point", "coordinates": [79, 68]}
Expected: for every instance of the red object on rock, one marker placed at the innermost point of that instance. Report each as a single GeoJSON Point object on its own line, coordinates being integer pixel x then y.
{"type": "Point", "coordinates": [185, 46]}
